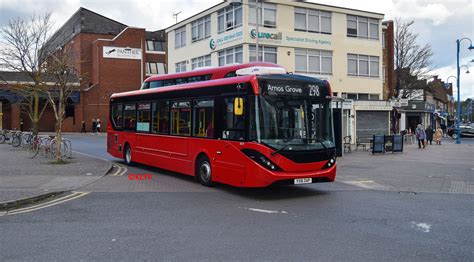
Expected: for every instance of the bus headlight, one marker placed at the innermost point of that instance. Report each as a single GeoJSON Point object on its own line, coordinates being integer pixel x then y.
{"type": "Point", "coordinates": [261, 159]}
{"type": "Point", "coordinates": [331, 162]}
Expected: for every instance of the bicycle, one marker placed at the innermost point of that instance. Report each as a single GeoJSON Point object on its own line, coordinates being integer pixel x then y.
{"type": "Point", "coordinates": [16, 138]}
{"type": "Point", "coordinates": [34, 147]}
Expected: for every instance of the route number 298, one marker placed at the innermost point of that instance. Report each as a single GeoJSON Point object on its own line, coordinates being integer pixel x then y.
{"type": "Point", "coordinates": [313, 90]}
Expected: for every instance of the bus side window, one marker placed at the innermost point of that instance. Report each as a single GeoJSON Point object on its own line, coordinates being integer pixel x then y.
{"type": "Point", "coordinates": [143, 120]}
{"type": "Point", "coordinates": [129, 117]}
{"type": "Point", "coordinates": [117, 115]}
{"type": "Point", "coordinates": [181, 118]}
{"type": "Point", "coordinates": [203, 116]}
{"type": "Point", "coordinates": [233, 125]}
{"type": "Point", "coordinates": [161, 124]}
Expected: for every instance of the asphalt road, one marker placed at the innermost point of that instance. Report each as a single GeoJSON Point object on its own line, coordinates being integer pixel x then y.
{"type": "Point", "coordinates": [170, 217]}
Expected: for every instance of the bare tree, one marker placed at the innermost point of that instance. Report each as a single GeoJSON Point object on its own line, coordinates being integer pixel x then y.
{"type": "Point", "coordinates": [22, 42]}
{"type": "Point", "coordinates": [412, 61]}
{"type": "Point", "coordinates": [60, 65]}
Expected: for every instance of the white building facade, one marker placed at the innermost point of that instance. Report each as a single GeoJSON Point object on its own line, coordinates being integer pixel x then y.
{"type": "Point", "coordinates": [341, 45]}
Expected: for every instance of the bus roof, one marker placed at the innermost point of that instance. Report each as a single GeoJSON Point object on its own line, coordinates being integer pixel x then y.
{"type": "Point", "coordinates": [218, 82]}
{"type": "Point", "coordinates": [187, 86]}
{"type": "Point", "coordinates": [206, 71]}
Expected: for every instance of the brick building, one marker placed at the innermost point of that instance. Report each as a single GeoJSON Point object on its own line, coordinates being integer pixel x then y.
{"type": "Point", "coordinates": [111, 57]}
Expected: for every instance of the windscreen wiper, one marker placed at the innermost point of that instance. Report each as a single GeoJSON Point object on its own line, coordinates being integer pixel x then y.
{"type": "Point", "coordinates": [280, 149]}
{"type": "Point", "coordinates": [320, 142]}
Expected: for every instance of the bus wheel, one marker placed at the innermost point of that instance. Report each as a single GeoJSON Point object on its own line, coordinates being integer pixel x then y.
{"type": "Point", "coordinates": [127, 155]}
{"type": "Point", "coordinates": [204, 171]}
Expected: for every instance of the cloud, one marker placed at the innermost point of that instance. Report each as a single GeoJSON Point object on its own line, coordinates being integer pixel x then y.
{"type": "Point", "coordinates": [467, 80]}
{"type": "Point", "coordinates": [437, 13]}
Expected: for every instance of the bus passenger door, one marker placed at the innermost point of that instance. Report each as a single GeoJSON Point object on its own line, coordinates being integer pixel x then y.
{"type": "Point", "coordinates": [231, 132]}
{"type": "Point", "coordinates": [229, 167]}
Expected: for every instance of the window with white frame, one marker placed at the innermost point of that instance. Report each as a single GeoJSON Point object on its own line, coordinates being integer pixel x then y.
{"type": "Point", "coordinates": [180, 37]}
{"type": "Point", "coordinates": [362, 27]}
{"type": "Point", "coordinates": [312, 61]}
{"type": "Point", "coordinates": [180, 66]}
{"type": "Point", "coordinates": [201, 61]}
{"type": "Point", "coordinates": [360, 96]}
{"type": "Point", "coordinates": [229, 18]}
{"type": "Point", "coordinates": [362, 65]}
{"type": "Point", "coordinates": [311, 20]}
{"type": "Point", "coordinates": [201, 28]}
{"type": "Point", "coordinates": [153, 68]}
{"type": "Point", "coordinates": [268, 13]}
{"type": "Point", "coordinates": [383, 40]}
{"type": "Point", "coordinates": [265, 54]}
{"type": "Point", "coordinates": [231, 55]}
{"type": "Point", "coordinates": [153, 45]}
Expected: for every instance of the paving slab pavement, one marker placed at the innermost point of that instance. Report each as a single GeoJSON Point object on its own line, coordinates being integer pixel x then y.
{"type": "Point", "coordinates": [448, 168]}
{"type": "Point", "coordinates": [23, 178]}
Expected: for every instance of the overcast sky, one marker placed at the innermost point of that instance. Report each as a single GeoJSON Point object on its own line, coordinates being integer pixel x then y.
{"type": "Point", "coordinates": [439, 22]}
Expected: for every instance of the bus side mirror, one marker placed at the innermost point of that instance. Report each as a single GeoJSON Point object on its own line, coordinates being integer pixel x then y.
{"type": "Point", "coordinates": [238, 106]}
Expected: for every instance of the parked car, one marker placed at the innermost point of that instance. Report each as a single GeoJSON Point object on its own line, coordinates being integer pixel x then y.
{"type": "Point", "coordinates": [466, 131]}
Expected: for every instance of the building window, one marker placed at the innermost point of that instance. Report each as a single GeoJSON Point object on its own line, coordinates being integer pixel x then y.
{"type": "Point", "coordinates": [152, 45]}
{"type": "Point", "coordinates": [229, 18]}
{"type": "Point", "coordinates": [201, 28]}
{"type": "Point", "coordinates": [362, 65]}
{"type": "Point", "coordinates": [383, 73]}
{"type": "Point", "coordinates": [362, 27]}
{"type": "Point", "coordinates": [200, 61]}
{"type": "Point", "coordinates": [267, 11]}
{"type": "Point", "coordinates": [362, 96]}
{"type": "Point", "coordinates": [383, 40]}
{"type": "Point", "coordinates": [180, 37]}
{"type": "Point", "coordinates": [313, 61]}
{"type": "Point", "coordinates": [231, 56]}
{"type": "Point", "coordinates": [265, 54]}
{"type": "Point", "coordinates": [310, 20]}
{"type": "Point", "coordinates": [181, 67]}
{"type": "Point", "coordinates": [153, 68]}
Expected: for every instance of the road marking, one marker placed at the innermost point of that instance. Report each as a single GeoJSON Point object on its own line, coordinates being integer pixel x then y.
{"type": "Point", "coordinates": [266, 211]}
{"type": "Point", "coordinates": [98, 157]}
{"type": "Point", "coordinates": [121, 170]}
{"type": "Point", "coordinates": [423, 227]}
{"type": "Point", "coordinates": [367, 184]}
{"type": "Point", "coordinates": [54, 202]}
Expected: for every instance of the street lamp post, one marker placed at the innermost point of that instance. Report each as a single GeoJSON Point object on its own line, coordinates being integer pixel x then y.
{"type": "Point", "coordinates": [458, 113]}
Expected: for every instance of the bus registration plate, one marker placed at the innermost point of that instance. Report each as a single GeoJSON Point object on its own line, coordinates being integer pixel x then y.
{"type": "Point", "coordinates": [299, 181]}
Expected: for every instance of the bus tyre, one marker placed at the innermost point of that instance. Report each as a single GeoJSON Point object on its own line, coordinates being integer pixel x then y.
{"type": "Point", "coordinates": [204, 171]}
{"type": "Point", "coordinates": [127, 155]}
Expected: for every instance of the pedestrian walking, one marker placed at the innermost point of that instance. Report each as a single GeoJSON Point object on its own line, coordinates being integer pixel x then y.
{"type": "Point", "coordinates": [98, 126]}
{"type": "Point", "coordinates": [420, 136]}
{"type": "Point", "coordinates": [438, 136]}
{"type": "Point", "coordinates": [94, 126]}
{"type": "Point", "coordinates": [429, 135]}
{"type": "Point", "coordinates": [83, 128]}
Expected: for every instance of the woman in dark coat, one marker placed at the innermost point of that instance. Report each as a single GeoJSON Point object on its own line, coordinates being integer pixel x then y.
{"type": "Point", "coordinates": [429, 135]}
